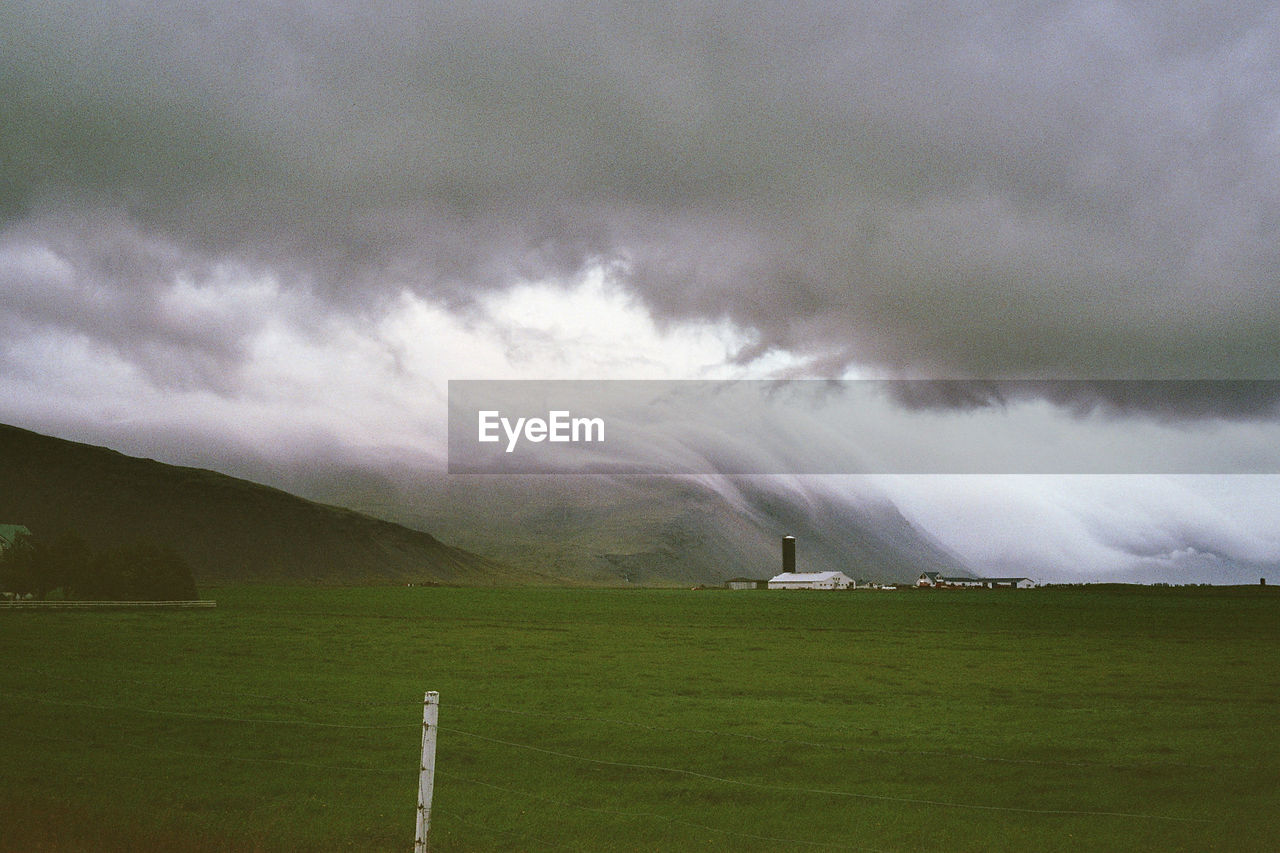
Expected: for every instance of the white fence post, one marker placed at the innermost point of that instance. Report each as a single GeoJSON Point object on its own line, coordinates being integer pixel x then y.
{"type": "Point", "coordinates": [426, 775]}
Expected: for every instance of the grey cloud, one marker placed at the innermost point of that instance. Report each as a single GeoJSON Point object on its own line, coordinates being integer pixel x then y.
{"type": "Point", "coordinates": [1028, 190]}
{"type": "Point", "coordinates": [1163, 399]}
{"type": "Point", "coordinates": [99, 279]}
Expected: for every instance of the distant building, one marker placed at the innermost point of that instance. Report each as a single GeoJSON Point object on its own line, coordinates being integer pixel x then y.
{"type": "Point", "coordinates": [1010, 583]}
{"type": "Point", "coordinates": [811, 580]}
{"type": "Point", "coordinates": [791, 579]}
{"type": "Point", "coordinates": [940, 581]}
{"type": "Point", "coordinates": [963, 583]}
{"type": "Point", "coordinates": [937, 580]}
{"type": "Point", "coordinates": [745, 583]}
{"type": "Point", "coordinates": [788, 555]}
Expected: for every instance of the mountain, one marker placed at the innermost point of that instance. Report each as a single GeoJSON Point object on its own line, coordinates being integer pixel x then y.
{"type": "Point", "coordinates": [574, 529]}
{"type": "Point", "coordinates": [229, 530]}
{"type": "Point", "coordinates": [657, 530]}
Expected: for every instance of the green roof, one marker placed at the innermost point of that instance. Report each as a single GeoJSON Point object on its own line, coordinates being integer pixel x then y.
{"type": "Point", "coordinates": [9, 532]}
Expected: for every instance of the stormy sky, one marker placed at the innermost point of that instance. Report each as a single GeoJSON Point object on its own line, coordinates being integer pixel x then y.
{"type": "Point", "coordinates": [259, 236]}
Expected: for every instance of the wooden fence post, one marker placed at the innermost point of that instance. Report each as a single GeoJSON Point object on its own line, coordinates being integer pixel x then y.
{"type": "Point", "coordinates": [427, 771]}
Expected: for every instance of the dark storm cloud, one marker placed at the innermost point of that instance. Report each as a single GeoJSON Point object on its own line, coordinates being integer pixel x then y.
{"type": "Point", "coordinates": [1165, 399]}
{"type": "Point", "coordinates": [1028, 190]}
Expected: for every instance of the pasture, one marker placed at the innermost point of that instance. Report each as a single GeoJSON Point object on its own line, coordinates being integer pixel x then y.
{"type": "Point", "coordinates": [601, 720]}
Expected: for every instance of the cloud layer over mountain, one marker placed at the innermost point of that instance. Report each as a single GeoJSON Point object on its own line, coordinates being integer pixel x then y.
{"type": "Point", "coordinates": [276, 228]}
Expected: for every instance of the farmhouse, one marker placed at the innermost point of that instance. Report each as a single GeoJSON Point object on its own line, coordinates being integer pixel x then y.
{"type": "Point", "coordinates": [941, 581]}
{"type": "Point", "coordinates": [937, 580]}
{"type": "Point", "coordinates": [810, 580]}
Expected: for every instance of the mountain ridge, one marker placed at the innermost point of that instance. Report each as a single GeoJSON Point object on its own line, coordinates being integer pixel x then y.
{"type": "Point", "coordinates": [229, 529]}
{"type": "Point", "coordinates": [591, 529]}
{"type": "Point", "coordinates": [654, 530]}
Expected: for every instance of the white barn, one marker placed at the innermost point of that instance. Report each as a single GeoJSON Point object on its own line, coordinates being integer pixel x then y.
{"type": "Point", "coordinates": [811, 580]}
{"type": "Point", "coordinates": [1011, 583]}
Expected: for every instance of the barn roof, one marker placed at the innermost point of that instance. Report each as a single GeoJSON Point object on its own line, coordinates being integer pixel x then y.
{"type": "Point", "coordinates": [805, 577]}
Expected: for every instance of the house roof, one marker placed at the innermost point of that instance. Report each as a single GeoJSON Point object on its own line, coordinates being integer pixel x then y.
{"type": "Point", "coordinates": [9, 532]}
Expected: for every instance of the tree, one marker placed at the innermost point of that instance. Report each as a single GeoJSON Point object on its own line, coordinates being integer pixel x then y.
{"type": "Point", "coordinates": [68, 560]}
{"type": "Point", "coordinates": [140, 571]}
{"type": "Point", "coordinates": [19, 566]}
{"type": "Point", "coordinates": [160, 574]}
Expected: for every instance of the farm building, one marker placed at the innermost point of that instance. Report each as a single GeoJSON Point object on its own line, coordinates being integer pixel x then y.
{"type": "Point", "coordinates": [937, 580]}
{"type": "Point", "coordinates": [941, 581]}
{"type": "Point", "coordinates": [1010, 583]}
{"type": "Point", "coordinates": [810, 580]}
{"type": "Point", "coordinates": [745, 583]}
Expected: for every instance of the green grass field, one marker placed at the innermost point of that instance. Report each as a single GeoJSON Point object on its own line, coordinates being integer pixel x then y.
{"type": "Point", "coordinates": [595, 720]}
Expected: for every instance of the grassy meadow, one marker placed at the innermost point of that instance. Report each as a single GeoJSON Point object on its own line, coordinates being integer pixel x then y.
{"type": "Point", "coordinates": [597, 720]}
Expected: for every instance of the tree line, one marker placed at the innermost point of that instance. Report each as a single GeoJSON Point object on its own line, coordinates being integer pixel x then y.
{"type": "Point", "coordinates": [69, 567]}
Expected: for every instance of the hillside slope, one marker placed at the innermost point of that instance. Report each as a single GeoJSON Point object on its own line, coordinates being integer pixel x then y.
{"type": "Point", "coordinates": [654, 531]}
{"type": "Point", "coordinates": [229, 530]}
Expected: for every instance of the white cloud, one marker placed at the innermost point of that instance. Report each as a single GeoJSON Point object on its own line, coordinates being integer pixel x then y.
{"type": "Point", "coordinates": [1089, 527]}
{"type": "Point", "coordinates": [306, 376]}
